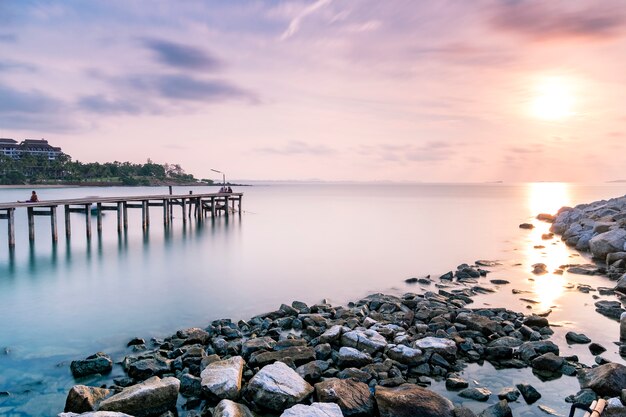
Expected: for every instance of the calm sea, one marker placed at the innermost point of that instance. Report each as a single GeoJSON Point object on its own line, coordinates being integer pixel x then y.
{"type": "Point", "coordinates": [292, 242]}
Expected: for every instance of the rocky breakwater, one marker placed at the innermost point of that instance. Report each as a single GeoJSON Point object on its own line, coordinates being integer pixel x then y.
{"type": "Point", "coordinates": [375, 357]}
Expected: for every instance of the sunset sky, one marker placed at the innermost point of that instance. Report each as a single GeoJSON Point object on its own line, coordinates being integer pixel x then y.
{"type": "Point", "coordinates": [479, 90]}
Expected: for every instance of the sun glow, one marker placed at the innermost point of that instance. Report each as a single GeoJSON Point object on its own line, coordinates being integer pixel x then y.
{"type": "Point", "coordinates": [553, 99]}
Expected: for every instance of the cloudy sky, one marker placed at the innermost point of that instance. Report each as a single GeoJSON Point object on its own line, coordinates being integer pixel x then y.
{"type": "Point", "coordinates": [480, 90]}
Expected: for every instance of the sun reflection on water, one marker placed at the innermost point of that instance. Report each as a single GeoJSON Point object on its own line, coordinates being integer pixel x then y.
{"type": "Point", "coordinates": [546, 198]}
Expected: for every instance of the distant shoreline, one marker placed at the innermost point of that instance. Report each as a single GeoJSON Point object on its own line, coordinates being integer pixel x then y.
{"type": "Point", "coordinates": [44, 186]}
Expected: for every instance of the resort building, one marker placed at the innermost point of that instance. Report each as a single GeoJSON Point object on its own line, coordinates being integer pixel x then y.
{"type": "Point", "coordinates": [33, 147]}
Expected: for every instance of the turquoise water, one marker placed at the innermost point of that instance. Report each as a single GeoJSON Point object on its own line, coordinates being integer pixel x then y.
{"type": "Point", "coordinates": [306, 242]}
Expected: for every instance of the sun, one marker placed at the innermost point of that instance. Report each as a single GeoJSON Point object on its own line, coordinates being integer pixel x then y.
{"type": "Point", "coordinates": [553, 99]}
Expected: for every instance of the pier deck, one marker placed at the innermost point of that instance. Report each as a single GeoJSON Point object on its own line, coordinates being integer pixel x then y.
{"type": "Point", "coordinates": [198, 204]}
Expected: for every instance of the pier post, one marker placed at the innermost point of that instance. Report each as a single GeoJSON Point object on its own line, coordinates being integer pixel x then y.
{"type": "Point", "coordinates": [213, 206]}
{"type": "Point", "coordinates": [119, 217]}
{"type": "Point", "coordinates": [166, 216]}
{"type": "Point", "coordinates": [11, 228]}
{"type": "Point", "coordinates": [68, 226]}
{"type": "Point", "coordinates": [183, 204]}
{"type": "Point", "coordinates": [99, 218]}
{"type": "Point", "coordinates": [125, 207]}
{"type": "Point", "coordinates": [226, 206]}
{"type": "Point", "coordinates": [144, 208]}
{"type": "Point", "coordinates": [147, 213]}
{"type": "Point", "coordinates": [88, 220]}
{"type": "Point", "coordinates": [53, 223]}
{"type": "Point", "coordinates": [239, 204]}
{"type": "Point", "coordinates": [31, 224]}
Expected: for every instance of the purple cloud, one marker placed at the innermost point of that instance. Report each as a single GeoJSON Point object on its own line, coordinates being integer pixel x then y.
{"type": "Point", "coordinates": [182, 56]}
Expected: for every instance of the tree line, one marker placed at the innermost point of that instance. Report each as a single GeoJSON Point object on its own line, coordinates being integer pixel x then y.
{"type": "Point", "coordinates": [40, 170]}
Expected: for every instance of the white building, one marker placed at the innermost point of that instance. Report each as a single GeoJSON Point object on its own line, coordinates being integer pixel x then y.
{"type": "Point", "coordinates": [34, 147]}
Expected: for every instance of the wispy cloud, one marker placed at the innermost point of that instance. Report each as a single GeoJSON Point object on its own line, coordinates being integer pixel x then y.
{"type": "Point", "coordinates": [31, 110]}
{"type": "Point", "coordinates": [296, 147]}
{"type": "Point", "coordinates": [541, 20]}
{"type": "Point", "coordinates": [295, 23]}
{"type": "Point", "coordinates": [182, 56]}
{"type": "Point", "coordinates": [178, 87]}
{"type": "Point", "coordinates": [101, 104]}
{"type": "Point", "coordinates": [9, 65]}
{"type": "Point", "coordinates": [431, 151]}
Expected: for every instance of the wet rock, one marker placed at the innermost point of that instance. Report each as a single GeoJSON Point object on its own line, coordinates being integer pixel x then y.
{"type": "Point", "coordinates": [476, 394]}
{"type": "Point", "coordinates": [99, 363]}
{"type": "Point", "coordinates": [596, 349]}
{"type": "Point", "coordinates": [223, 378]}
{"type": "Point", "coordinates": [506, 341]}
{"type": "Point", "coordinates": [536, 321]}
{"type": "Point", "coordinates": [621, 285]}
{"type": "Point", "coordinates": [255, 344]}
{"type": "Point", "coordinates": [463, 412]}
{"type": "Point", "coordinates": [477, 322]}
{"type": "Point", "coordinates": [277, 387]}
{"type": "Point", "coordinates": [136, 341]}
{"type": "Point", "coordinates": [190, 386]}
{"type": "Point", "coordinates": [530, 394]}
{"type": "Point", "coordinates": [585, 396]}
{"type": "Point", "coordinates": [499, 281]}
{"type": "Point", "coordinates": [530, 350]}
{"type": "Point", "coordinates": [499, 409]}
{"type": "Point", "coordinates": [456, 383]}
{"type": "Point", "coordinates": [546, 217]}
{"type": "Point", "coordinates": [353, 397]}
{"type": "Point", "coordinates": [312, 371]}
{"type": "Point", "coordinates": [95, 414]}
{"type": "Point", "coordinates": [539, 269]}
{"type": "Point", "coordinates": [192, 336]}
{"type": "Point", "coordinates": [228, 408]}
{"type": "Point", "coordinates": [313, 410]}
{"type": "Point", "coordinates": [604, 380]}
{"type": "Point", "coordinates": [548, 362]}
{"type": "Point", "coordinates": [509, 394]}
{"type": "Point", "coordinates": [82, 398]}
{"type": "Point", "coordinates": [331, 335]}
{"type": "Point", "coordinates": [611, 309]}
{"type": "Point", "coordinates": [411, 400]}
{"type": "Point", "coordinates": [439, 345]}
{"type": "Point", "coordinates": [579, 338]}
{"type": "Point", "coordinates": [604, 243]}
{"type": "Point", "coordinates": [527, 226]}
{"type": "Point", "coordinates": [145, 368]}
{"type": "Point", "coordinates": [153, 396]}
{"type": "Point", "coordinates": [368, 341]}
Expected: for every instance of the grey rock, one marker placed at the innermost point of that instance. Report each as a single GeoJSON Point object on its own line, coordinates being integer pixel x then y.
{"type": "Point", "coordinates": [255, 344]}
{"type": "Point", "coordinates": [368, 341]}
{"type": "Point", "coordinates": [145, 368]}
{"type": "Point", "coordinates": [82, 398]}
{"type": "Point", "coordinates": [621, 284]}
{"type": "Point", "coordinates": [277, 387]}
{"type": "Point", "coordinates": [410, 400]}
{"type": "Point", "coordinates": [509, 394]}
{"type": "Point", "coordinates": [604, 243]}
{"type": "Point", "coordinates": [477, 394]}
{"type": "Point", "coordinates": [353, 397]}
{"type": "Point", "coordinates": [99, 363]}
{"type": "Point", "coordinates": [298, 354]}
{"type": "Point", "coordinates": [313, 370]}
{"type": "Point", "coordinates": [190, 386]}
{"type": "Point", "coordinates": [445, 347]}
{"type": "Point", "coordinates": [313, 410]}
{"type": "Point", "coordinates": [404, 354]}
{"type": "Point", "coordinates": [596, 349]}
{"type": "Point", "coordinates": [548, 362]}
{"type": "Point", "coordinates": [331, 335]}
{"type": "Point", "coordinates": [153, 396]}
{"type": "Point", "coordinates": [605, 380]}
{"type": "Point", "coordinates": [499, 409]}
{"type": "Point", "coordinates": [95, 414]}
{"type": "Point", "coordinates": [456, 383]}
{"type": "Point", "coordinates": [223, 378]}
{"type": "Point", "coordinates": [530, 394]}
{"type": "Point", "coordinates": [228, 408]}
{"type": "Point", "coordinates": [573, 337]}
{"type": "Point", "coordinates": [350, 357]}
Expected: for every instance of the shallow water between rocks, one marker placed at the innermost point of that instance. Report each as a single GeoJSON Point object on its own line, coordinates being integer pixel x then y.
{"type": "Point", "coordinates": [293, 242]}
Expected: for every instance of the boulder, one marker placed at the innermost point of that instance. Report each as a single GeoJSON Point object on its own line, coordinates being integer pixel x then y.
{"type": "Point", "coordinates": [99, 363]}
{"type": "Point", "coordinates": [313, 410]}
{"type": "Point", "coordinates": [548, 362]}
{"type": "Point", "coordinates": [604, 243]}
{"type": "Point", "coordinates": [410, 400]}
{"type": "Point", "coordinates": [82, 398]}
{"type": "Point", "coordinates": [228, 408]}
{"type": "Point", "coordinates": [152, 396]}
{"type": "Point", "coordinates": [454, 383]}
{"type": "Point", "coordinates": [536, 321]}
{"type": "Point", "coordinates": [477, 322]}
{"type": "Point", "coordinates": [353, 397]}
{"type": "Point", "coordinates": [258, 343]}
{"type": "Point", "coordinates": [222, 379]}
{"type": "Point", "coordinates": [277, 387]}
{"type": "Point", "coordinates": [445, 347]}
{"type": "Point", "coordinates": [369, 341]}
{"type": "Point", "coordinates": [509, 394]}
{"type": "Point", "coordinates": [190, 386]}
{"type": "Point", "coordinates": [299, 354]}
{"type": "Point", "coordinates": [476, 394]}
{"type": "Point", "coordinates": [405, 355]}
{"type": "Point", "coordinates": [530, 394]}
{"type": "Point", "coordinates": [573, 337]}
{"type": "Point", "coordinates": [145, 368]}
{"type": "Point", "coordinates": [352, 358]}
{"type": "Point", "coordinates": [313, 370]}
{"type": "Point", "coordinates": [331, 335]}
{"type": "Point", "coordinates": [605, 380]}
{"type": "Point", "coordinates": [499, 409]}
{"type": "Point", "coordinates": [621, 285]}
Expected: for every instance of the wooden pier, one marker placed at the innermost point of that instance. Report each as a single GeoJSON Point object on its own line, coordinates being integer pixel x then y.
{"type": "Point", "coordinates": [198, 205]}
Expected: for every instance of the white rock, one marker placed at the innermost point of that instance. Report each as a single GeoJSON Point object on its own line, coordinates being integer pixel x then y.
{"type": "Point", "coordinates": [369, 341]}
{"type": "Point", "coordinates": [437, 344]}
{"type": "Point", "coordinates": [228, 408]}
{"type": "Point", "coordinates": [313, 410]}
{"type": "Point", "coordinates": [277, 387]}
{"type": "Point", "coordinates": [223, 378]}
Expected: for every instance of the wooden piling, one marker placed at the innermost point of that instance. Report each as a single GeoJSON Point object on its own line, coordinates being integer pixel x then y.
{"type": "Point", "coordinates": [119, 217]}
{"type": "Point", "coordinates": [88, 221]}
{"type": "Point", "coordinates": [183, 204]}
{"type": "Point", "coordinates": [11, 227]}
{"type": "Point", "coordinates": [99, 207]}
{"type": "Point", "coordinates": [31, 224]}
{"type": "Point", "coordinates": [226, 206]}
{"type": "Point", "coordinates": [53, 223]}
{"type": "Point", "coordinates": [125, 207]}
{"type": "Point", "coordinates": [68, 226]}
{"type": "Point", "coordinates": [166, 217]}
{"type": "Point", "coordinates": [144, 209]}
{"type": "Point", "coordinates": [213, 206]}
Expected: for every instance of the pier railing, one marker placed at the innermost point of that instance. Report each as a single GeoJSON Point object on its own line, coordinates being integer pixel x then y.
{"type": "Point", "coordinates": [198, 205]}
